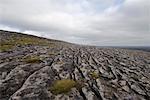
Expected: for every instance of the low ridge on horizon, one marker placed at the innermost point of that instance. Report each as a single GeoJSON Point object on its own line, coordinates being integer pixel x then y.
{"type": "Point", "coordinates": [120, 46]}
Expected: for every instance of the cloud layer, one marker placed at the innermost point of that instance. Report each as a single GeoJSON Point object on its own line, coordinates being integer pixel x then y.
{"type": "Point", "coordinates": [93, 22]}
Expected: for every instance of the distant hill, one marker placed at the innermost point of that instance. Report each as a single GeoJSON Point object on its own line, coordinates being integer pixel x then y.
{"type": "Point", "coordinates": [36, 68]}
{"type": "Point", "coordinates": [142, 48]}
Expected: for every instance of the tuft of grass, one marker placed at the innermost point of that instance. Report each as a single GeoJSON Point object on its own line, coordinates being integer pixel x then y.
{"type": "Point", "coordinates": [32, 59]}
{"type": "Point", "coordinates": [94, 75]}
{"type": "Point", "coordinates": [62, 86]}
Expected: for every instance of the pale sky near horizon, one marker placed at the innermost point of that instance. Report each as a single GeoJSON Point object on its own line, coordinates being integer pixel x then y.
{"type": "Point", "coordinates": [90, 22]}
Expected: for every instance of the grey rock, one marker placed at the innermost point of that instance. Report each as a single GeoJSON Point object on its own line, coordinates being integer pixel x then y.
{"type": "Point", "coordinates": [136, 88]}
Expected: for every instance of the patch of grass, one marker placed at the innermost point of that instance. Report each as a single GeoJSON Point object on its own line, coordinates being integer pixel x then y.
{"type": "Point", "coordinates": [5, 47]}
{"type": "Point", "coordinates": [13, 42]}
{"type": "Point", "coordinates": [27, 41]}
{"type": "Point", "coordinates": [60, 62]}
{"type": "Point", "coordinates": [52, 53]}
{"type": "Point", "coordinates": [32, 59]}
{"type": "Point", "coordinates": [62, 86]}
{"type": "Point", "coordinates": [94, 75]}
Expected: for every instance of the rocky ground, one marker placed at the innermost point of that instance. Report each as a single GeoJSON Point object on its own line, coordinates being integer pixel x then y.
{"type": "Point", "coordinates": [33, 68]}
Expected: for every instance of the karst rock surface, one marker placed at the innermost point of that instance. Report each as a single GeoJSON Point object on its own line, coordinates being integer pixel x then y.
{"type": "Point", "coordinates": [118, 74]}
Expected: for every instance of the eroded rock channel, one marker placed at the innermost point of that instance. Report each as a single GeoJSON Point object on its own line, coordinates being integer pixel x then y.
{"type": "Point", "coordinates": [33, 68]}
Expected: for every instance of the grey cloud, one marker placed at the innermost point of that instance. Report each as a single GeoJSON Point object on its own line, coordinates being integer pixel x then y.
{"type": "Point", "coordinates": [95, 22]}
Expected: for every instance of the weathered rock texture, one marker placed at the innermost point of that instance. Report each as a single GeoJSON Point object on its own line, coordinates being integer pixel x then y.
{"type": "Point", "coordinates": [105, 73]}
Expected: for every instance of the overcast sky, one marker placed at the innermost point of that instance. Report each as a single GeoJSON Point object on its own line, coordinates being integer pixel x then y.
{"type": "Point", "coordinates": [92, 22]}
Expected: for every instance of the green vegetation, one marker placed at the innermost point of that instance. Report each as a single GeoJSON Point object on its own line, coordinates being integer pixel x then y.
{"type": "Point", "coordinates": [22, 41]}
{"type": "Point", "coordinates": [60, 62]}
{"type": "Point", "coordinates": [29, 41]}
{"type": "Point", "coordinates": [32, 59]}
{"type": "Point", "coordinates": [52, 53]}
{"type": "Point", "coordinates": [62, 86]}
{"type": "Point", "coordinates": [6, 47]}
{"type": "Point", "coordinates": [26, 41]}
{"type": "Point", "coordinates": [94, 75]}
